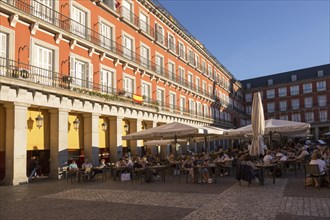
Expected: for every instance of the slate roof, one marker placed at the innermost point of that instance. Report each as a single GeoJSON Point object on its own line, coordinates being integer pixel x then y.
{"type": "Point", "coordinates": [285, 77]}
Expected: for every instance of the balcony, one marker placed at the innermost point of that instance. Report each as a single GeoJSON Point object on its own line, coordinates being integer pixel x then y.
{"type": "Point", "coordinates": [87, 35]}
{"type": "Point", "coordinates": [129, 17]}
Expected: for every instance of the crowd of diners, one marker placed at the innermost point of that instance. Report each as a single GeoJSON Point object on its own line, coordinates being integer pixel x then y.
{"type": "Point", "coordinates": [310, 153]}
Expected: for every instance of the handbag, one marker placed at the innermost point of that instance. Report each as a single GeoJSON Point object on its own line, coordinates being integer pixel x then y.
{"type": "Point", "coordinates": [125, 177]}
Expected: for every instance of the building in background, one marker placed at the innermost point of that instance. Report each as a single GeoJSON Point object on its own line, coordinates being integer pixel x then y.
{"type": "Point", "coordinates": [300, 95]}
{"type": "Point", "coordinates": [76, 75]}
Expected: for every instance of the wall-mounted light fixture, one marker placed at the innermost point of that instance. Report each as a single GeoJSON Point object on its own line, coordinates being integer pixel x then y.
{"type": "Point", "coordinates": [104, 126]}
{"type": "Point", "coordinates": [39, 120]}
{"type": "Point", "coordinates": [126, 126]}
{"type": "Point", "coordinates": [76, 123]}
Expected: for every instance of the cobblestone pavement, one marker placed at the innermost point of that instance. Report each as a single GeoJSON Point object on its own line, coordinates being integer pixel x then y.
{"type": "Point", "coordinates": [287, 199]}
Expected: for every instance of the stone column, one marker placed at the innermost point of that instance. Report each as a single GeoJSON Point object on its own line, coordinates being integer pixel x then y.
{"type": "Point", "coordinates": [91, 138]}
{"type": "Point", "coordinates": [317, 133]}
{"type": "Point", "coordinates": [58, 141]}
{"type": "Point", "coordinates": [116, 143]}
{"type": "Point", "coordinates": [16, 141]}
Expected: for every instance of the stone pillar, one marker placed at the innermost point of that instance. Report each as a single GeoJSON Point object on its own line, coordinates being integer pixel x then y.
{"type": "Point", "coordinates": [135, 126]}
{"type": "Point", "coordinates": [317, 133]}
{"type": "Point", "coordinates": [58, 141]}
{"type": "Point", "coordinates": [91, 138]}
{"type": "Point", "coordinates": [116, 143]}
{"type": "Point", "coordinates": [16, 141]}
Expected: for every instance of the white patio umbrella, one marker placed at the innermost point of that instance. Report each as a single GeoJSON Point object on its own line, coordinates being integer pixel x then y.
{"type": "Point", "coordinates": [258, 125]}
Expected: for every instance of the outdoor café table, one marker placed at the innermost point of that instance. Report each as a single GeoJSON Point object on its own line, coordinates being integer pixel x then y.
{"type": "Point", "coordinates": [198, 172]}
{"type": "Point", "coordinates": [289, 162]}
{"type": "Point", "coordinates": [263, 167]}
{"type": "Point", "coordinates": [159, 169]}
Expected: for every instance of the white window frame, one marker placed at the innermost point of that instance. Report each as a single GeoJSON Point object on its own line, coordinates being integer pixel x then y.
{"type": "Point", "coordinates": [323, 115]}
{"type": "Point", "coordinates": [160, 37]}
{"type": "Point", "coordinates": [181, 72]}
{"type": "Point", "coordinates": [145, 61]}
{"type": "Point", "coordinates": [270, 93]}
{"type": "Point", "coordinates": [308, 102]}
{"type": "Point", "coordinates": [162, 101]}
{"type": "Point", "coordinates": [171, 72]}
{"type": "Point", "coordinates": [293, 104]}
{"type": "Point", "coordinates": [171, 46]}
{"type": "Point", "coordinates": [129, 91]}
{"type": "Point", "coordinates": [294, 90]}
{"type": "Point", "coordinates": [282, 91]}
{"type": "Point", "coordinates": [145, 24]}
{"type": "Point", "coordinates": [10, 43]}
{"type": "Point", "coordinates": [283, 105]}
{"type": "Point", "coordinates": [296, 117]}
{"type": "Point", "coordinates": [321, 86]}
{"type": "Point", "coordinates": [104, 22]}
{"type": "Point", "coordinates": [183, 104]}
{"type": "Point", "coordinates": [146, 95]}
{"type": "Point", "coordinates": [113, 79]}
{"type": "Point", "coordinates": [307, 87]}
{"type": "Point", "coordinates": [248, 97]}
{"type": "Point", "coordinates": [322, 100]}
{"type": "Point", "coordinates": [182, 50]}
{"type": "Point", "coordinates": [271, 107]}
{"type": "Point", "coordinates": [309, 117]}
{"type": "Point", "coordinates": [87, 80]}
{"type": "Point", "coordinates": [172, 101]}
{"type": "Point", "coordinates": [87, 12]}
{"type": "Point", "coordinates": [159, 66]}
{"type": "Point", "coordinates": [125, 49]}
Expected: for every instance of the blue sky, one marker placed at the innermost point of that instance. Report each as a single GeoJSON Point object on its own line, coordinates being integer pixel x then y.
{"type": "Point", "coordinates": [257, 38]}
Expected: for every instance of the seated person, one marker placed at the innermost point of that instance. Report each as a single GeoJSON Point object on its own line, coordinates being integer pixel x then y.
{"type": "Point", "coordinates": [205, 172]}
{"type": "Point", "coordinates": [73, 167]}
{"type": "Point", "coordinates": [189, 165]}
{"type": "Point", "coordinates": [99, 168]}
{"type": "Point", "coordinates": [316, 159]}
{"type": "Point", "coordinates": [255, 171]}
{"type": "Point", "coordinates": [120, 163]}
{"type": "Point", "coordinates": [87, 166]}
{"type": "Point", "coordinates": [303, 154]}
{"type": "Point", "coordinates": [268, 158]}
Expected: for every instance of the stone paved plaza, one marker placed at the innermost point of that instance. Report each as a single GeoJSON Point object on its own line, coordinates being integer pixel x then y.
{"type": "Point", "coordinates": [49, 199]}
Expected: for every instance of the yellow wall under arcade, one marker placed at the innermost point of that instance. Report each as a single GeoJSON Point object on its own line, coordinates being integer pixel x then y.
{"type": "Point", "coordinates": [103, 135]}
{"type": "Point", "coordinates": [2, 128]}
{"type": "Point", "coordinates": [75, 137]}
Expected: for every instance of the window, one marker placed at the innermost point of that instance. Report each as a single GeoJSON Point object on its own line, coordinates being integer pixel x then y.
{"type": "Point", "coordinates": [128, 85]}
{"type": "Point", "coordinates": [206, 110]}
{"type": "Point", "coordinates": [271, 107]}
{"type": "Point", "coordinates": [284, 117]}
{"type": "Point", "coordinates": [204, 87]}
{"type": "Point", "coordinates": [43, 9]}
{"type": "Point", "coordinates": [309, 117]}
{"type": "Point", "coordinates": [145, 54]}
{"type": "Point", "coordinates": [171, 42]}
{"type": "Point", "coordinates": [43, 58]}
{"type": "Point", "coordinates": [197, 61]}
{"type": "Point", "coordinates": [248, 85]}
{"type": "Point", "coordinates": [197, 84]}
{"type": "Point", "coordinates": [248, 97]}
{"type": "Point", "coordinates": [172, 102]}
{"type": "Point", "coordinates": [160, 64]}
{"type": "Point", "coordinates": [307, 87]}
{"type": "Point", "coordinates": [321, 86]}
{"type": "Point", "coordinates": [190, 80]}
{"type": "Point", "coordinates": [308, 102]}
{"type": "Point", "coordinates": [106, 35]}
{"type": "Point", "coordinates": [144, 23]}
{"type": "Point", "coordinates": [320, 73]}
{"type": "Point", "coordinates": [294, 90]}
{"type": "Point", "coordinates": [323, 116]}
{"type": "Point", "coordinates": [209, 71]}
{"type": "Point", "coordinates": [79, 21]}
{"type": "Point", "coordinates": [283, 106]}
{"type": "Point", "coordinates": [82, 72]}
{"type": "Point", "coordinates": [127, 11]}
{"type": "Point", "coordinates": [110, 3]}
{"type": "Point", "coordinates": [159, 34]}
{"type": "Point", "coordinates": [182, 51]}
{"type": "Point", "coordinates": [248, 109]}
{"type": "Point", "coordinates": [295, 104]}
{"type": "Point", "coordinates": [322, 100]}
{"type": "Point", "coordinates": [181, 76]}
{"type": "Point", "coordinates": [293, 78]}
{"type": "Point", "coordinates": [171, 70]}
{"type": "Point", "coordinates": [182, 104]}
{"type": "Point", "coordinates": [191, 55]}
{"type": "Point", "coordinates": [270, 82]}
{"type": "Point", "coordinates": [203, 66]}
{"type": "Point", "coordinates": [296, 117]}
{"type": "Point", "coordinates": [160, 96]}
{"type": "Point", "coordinates": [4, 45]}
{"type": "Point", "coordinates": [270, 93]}
{"type": "Point", "coordinates": [199, 109]}
{"type": "Point", "coordinates": [146, 91]}
{"type": "Point", "coordinates": [282, 92]}
{"type": "Point", "coordinates": [107, 80]}
{"type": "Point", "coordinates": [191, 107]}
{"type": "Point", "coordinates": [127, 47]}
